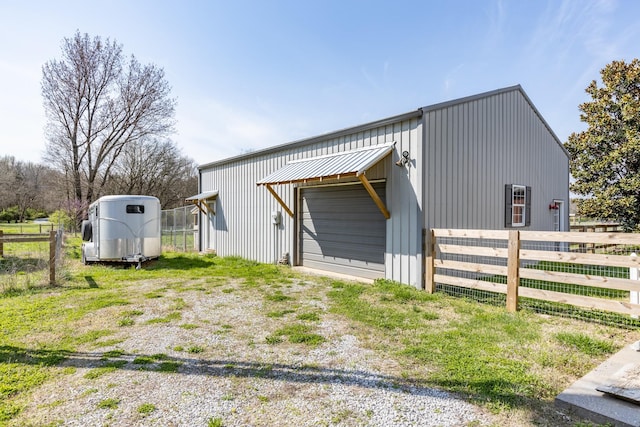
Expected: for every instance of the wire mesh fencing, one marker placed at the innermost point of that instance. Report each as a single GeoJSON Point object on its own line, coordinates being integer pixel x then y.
{"type": "Point", "coordinates": [591, 276]}
{"type": "Point", "coordinates": [179, 229]}
{"type": "Point", "coordinates": [29, 260]}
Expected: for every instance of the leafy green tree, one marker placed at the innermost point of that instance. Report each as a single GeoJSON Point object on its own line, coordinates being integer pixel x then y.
{"type": "Point", "coordinates": [62, 218]}
{"type": "Point", "coordinates": [605, 158]}
{"type": "Point", "coordinates": [10, 214]}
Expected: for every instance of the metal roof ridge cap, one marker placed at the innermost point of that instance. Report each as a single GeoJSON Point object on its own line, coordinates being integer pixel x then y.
{"type": "Point", "coordinates": [469, 98]}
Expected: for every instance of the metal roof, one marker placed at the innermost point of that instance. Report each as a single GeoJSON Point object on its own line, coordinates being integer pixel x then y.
{"type": "Point", "coordinates": [203, 196]}
{"type": "Point", "coordinates": [336, 165]}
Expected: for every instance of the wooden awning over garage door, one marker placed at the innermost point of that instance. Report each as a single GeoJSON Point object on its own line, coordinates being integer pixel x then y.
{"type": "Point", "coordinates": [345, 164]}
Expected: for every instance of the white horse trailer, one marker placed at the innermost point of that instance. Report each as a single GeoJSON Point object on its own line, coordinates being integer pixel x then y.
{"type": "Point", "coordinates": [122, 229]}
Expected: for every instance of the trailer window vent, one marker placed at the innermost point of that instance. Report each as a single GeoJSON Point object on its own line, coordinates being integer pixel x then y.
{"type": "Point", "coordinates": [135, 209]}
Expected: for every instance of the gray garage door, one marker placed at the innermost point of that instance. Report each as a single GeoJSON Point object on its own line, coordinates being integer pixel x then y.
{"type": "Point", "coordinates": [342, 230]}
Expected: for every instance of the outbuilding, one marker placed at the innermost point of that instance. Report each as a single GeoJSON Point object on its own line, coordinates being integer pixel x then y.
{"type": "Point", "coordinates": [359, 201]}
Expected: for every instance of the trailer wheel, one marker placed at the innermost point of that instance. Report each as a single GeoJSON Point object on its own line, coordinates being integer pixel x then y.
{"type": "Point", "coordinates": [86, 230]}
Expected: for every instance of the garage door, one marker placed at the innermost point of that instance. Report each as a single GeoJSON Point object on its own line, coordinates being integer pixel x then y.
{"type": "Point", "coordinates": [342, 230]}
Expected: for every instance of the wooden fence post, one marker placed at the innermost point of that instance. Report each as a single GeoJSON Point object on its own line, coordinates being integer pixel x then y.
{"type": "Point", "coordinates": [52, 257]}
{"type": "Point", "coordinates": [1, 245]}
{"type": "Point", "coordinates": [513, 270]}
{"type": "Point", "coordinates": [634, 296]}
{"type": "Point", "coordinates": [430, 284]}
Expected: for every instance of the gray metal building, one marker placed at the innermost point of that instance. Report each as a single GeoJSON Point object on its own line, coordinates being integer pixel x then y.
{"type": "Point", "coordinates": [356, 201]}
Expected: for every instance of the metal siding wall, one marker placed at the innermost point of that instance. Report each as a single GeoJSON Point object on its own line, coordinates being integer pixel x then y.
{"type": "Point", "coordinates": [245, 227]}
{"type": "Point", "coordinates": [474, 148]}
{"type": "Point", "coordinates": [404, 231]}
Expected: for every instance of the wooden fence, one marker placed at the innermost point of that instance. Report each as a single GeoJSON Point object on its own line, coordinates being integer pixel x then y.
{"type": "Point", "coordinates": [28, 228]}
{"type": "Point", "coordinates": [505, 257]}
{"type": "Point", "coordinates": [596, 228]}
{"type": "Point", "coordinates": [52, 237]}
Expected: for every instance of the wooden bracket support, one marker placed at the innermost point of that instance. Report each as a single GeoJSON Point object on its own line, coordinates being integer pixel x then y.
{"type": "Point", "coordinates": [277, 197]}
{"type": "Point", "coordinates": [377, 200]}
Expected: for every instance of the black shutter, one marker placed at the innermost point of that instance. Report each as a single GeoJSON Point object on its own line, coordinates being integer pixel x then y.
{"type": "Point", "coordinates": [527, 209]}
{"type": "Point", "coordinates": [508, 205]}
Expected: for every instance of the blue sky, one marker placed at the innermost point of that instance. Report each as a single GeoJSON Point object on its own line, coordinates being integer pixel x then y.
{"type": "Point", "coordinates": [252, 74]}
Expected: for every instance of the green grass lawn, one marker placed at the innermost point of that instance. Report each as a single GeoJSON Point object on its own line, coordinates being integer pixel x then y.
{"type": "Point", "coordinates": [512, 364]}
{"type": "Point", "coordinates": [26, 227]}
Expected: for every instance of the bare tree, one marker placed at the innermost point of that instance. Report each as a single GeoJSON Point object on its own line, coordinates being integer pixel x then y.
{"type": "Point", "coordinates": [154, 168]}
{"type": "Point", "coordinates": [28, 187]}
{"type": "Point", "coordinates": [7, 182]}
{"type": "Point", "coordinates": [54, 193]}
{"type": "Point", "coordinates": [97, 104]}
{"type": "Point", "coordinates": [24, 186]}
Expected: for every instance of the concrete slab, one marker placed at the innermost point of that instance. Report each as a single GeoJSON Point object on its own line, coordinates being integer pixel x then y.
{"type": "Point", "coordinates": [627, 387]}
{"type": "Point", "coordinates": [583, 400]}
{"type": "Point", "coordinates": [331, 274]}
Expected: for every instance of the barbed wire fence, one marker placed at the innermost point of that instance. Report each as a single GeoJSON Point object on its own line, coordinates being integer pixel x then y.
{"type": "Point", "coordinates": [180, 229]}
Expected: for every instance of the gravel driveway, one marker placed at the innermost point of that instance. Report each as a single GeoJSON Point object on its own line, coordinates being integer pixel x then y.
{"type": "Point", "coordinates": [192, 354]}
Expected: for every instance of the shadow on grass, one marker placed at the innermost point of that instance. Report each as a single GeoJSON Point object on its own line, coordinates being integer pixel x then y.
{"type": "Point", "coordinates": [215, 368]}
{"type": "Point", "coordinates": [11, 354]}
{"type": "Point", "coordinates": [14, 264]}
{"type": "Point", "coordinates": [544, 307]}
{"type": "Point", "coordinates": [498, 400]}
{"type": "Point", "coordinates": [91, 281]}
{"type": "Point", "coordinates": [175, 261]}
{"type": "Point", "coordinates": [164, 262]}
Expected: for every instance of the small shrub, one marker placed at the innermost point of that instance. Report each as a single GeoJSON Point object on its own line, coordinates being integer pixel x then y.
{"type": "Point", "coordinates": [279, 314]}
{"type": "Point", "coordinates": [273, 339]}
{"type": "Point", "coordinates": [300, 334]}
{"type": "Point", "coordinates": [152, 295]}
{"type": "Point", "coordinates": [146, 408]}
{"type": "Point", "coordinates": [306, 338]}
{"type": "Point", "coordinates": [143, 360]}
{"type": "Point", "coordinates": [314, 317]}
{"type": "Point", "coordinates": [159, 356]}
{"type": "Point", "coordinates": [126, 321]}
{"type": "Point", "coordinates": [131, 313]}
{"type": "Point", "coordinates": [189, 326]}
{"type": "Point", "coordinates": [110, 403]}
{"type": "Point", "coordinates": [176, 315]}
{"type": "Point", "coordinates": [278, 297]}
{"type": "Point", "coordinates": [215, 422]}
{"type": "Point", "coordinates": [179, 304]}
{"type": "Point", "coordinates": [112, 353]}
{"type": "Point", "coordinates": [169, 367]}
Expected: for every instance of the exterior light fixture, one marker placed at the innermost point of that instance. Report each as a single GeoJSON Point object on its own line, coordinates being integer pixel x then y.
{"type": "Point", "coordinates": [404, 160]}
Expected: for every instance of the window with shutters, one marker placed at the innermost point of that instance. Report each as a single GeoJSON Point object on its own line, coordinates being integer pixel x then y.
{"type": "Point", "coordinates": [517, 205]}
